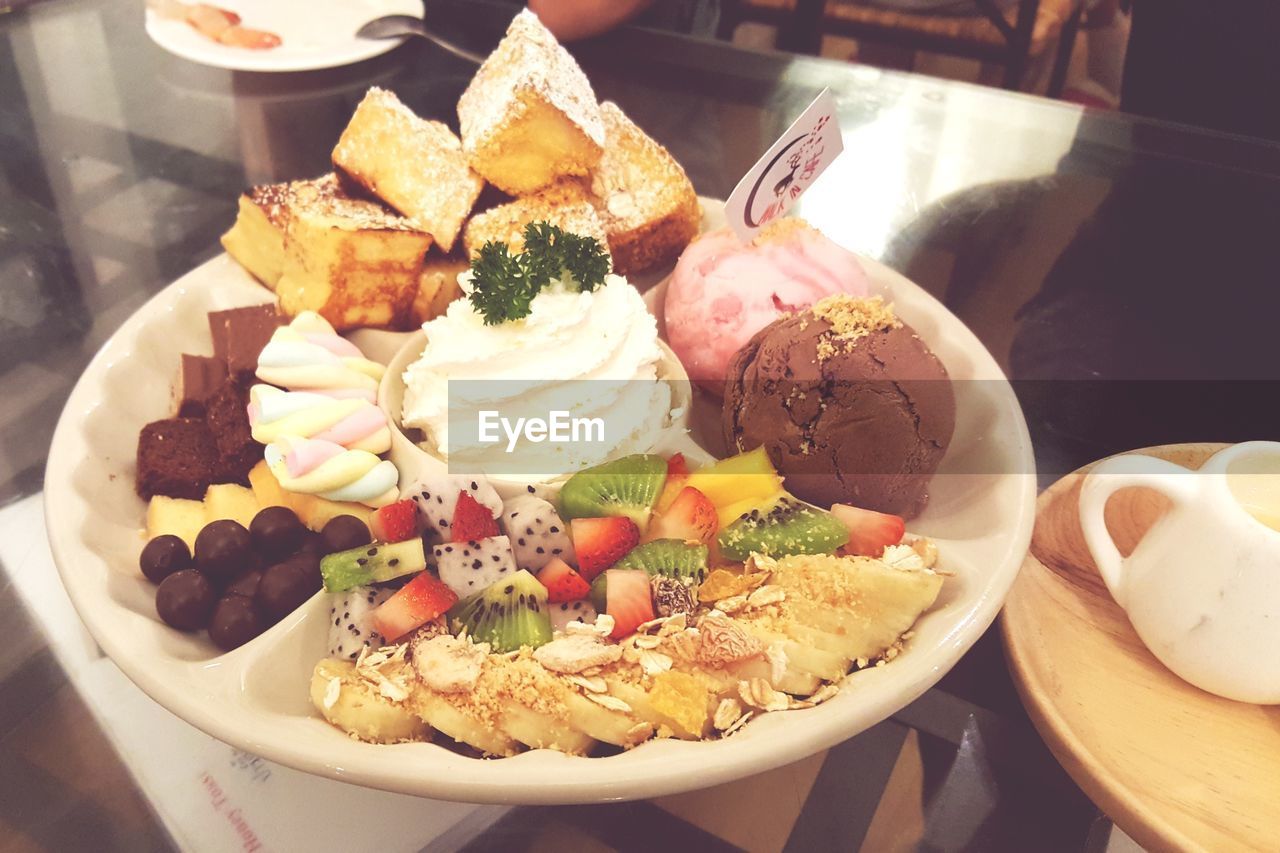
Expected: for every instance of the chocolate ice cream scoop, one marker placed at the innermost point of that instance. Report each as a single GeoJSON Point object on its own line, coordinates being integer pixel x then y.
{"type": "Point", "coordinates": [849, 402]}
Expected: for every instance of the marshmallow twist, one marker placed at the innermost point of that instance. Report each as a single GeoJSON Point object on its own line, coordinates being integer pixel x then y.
{"type": "Point", "coordinates": [355, 423]}
{"type": "Point", "coordinates": [308, 355]}
{"type": "Point", "coordinates": [317, 467]}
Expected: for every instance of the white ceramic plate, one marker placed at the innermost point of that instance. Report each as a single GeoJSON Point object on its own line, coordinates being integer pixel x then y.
{"type": "Point", "coordinates": [313, 33]}
{"type": "Point", "coordinates": [255, 697]}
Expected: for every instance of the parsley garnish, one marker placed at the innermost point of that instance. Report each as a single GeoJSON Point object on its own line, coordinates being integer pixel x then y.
{"type": "Point", "coordinates": [503, 285]}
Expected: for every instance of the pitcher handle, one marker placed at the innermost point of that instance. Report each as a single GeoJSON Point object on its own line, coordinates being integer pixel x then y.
{"type": "Point", "coordinates": [1109, 477]}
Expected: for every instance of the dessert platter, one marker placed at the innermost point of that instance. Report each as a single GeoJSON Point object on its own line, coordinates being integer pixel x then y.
{"type": "Point", "coordinates": [801, 489]}
{"type": "Point", "coordinates": [284, 35]}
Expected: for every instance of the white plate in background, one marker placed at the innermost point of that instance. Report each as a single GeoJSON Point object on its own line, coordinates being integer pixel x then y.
{"type": "Point", "coordinates": [314, 33]}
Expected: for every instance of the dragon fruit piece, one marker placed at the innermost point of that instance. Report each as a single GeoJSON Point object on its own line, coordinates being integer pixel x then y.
{"type": "Point", "coordinates": [436, 494]}
{"type": "Point", "coordinates": [571, 611]}
{"type": "Point", "coordinates": [469, 567]}
{"type": "Point", "coordinates": [537, 532]}
{"type": "Point", "coordinates": [351, 620]}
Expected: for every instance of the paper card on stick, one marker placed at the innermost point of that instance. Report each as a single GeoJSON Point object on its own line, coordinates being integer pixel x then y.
{"type": "Point", "coordinates": [786, 170]}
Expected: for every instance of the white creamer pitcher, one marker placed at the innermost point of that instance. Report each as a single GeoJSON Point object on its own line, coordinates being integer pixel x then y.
{"type": "Point", "coordinates": [1202, 588]}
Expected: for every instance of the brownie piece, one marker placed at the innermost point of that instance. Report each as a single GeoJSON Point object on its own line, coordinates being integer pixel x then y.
{"type": "Point", "coordinates": [239, 334]}
{"type": "Point", "coordinates": [200, 377]}
{"type": "Point", "coordinates": [227, 415]}
{"type": "Point", "coordinates": [177, 457]}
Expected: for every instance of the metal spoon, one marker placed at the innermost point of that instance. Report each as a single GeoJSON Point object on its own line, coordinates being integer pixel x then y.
{"type": "Point", "coordinates": [400, 26]}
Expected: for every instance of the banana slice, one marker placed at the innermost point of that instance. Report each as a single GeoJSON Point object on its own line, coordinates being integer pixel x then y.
{"type": "Point", "coordinates": [355, 706]}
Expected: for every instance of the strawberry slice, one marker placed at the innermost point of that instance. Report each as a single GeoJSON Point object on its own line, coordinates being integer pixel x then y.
{"type": "Point", "coordinates": [472, 520]}
{"type": "Point", "coordinates": [601, 542]}
{"type": "Point", "coordinates": [869, 531]}
{"type": "Point", "coordinates": [677, 476]}
{"type": "Point", "coordinates": [562, 582]}
{"type": "Point", "coordinates": [418, 602]}
{"type": "Point", "coordinates": [627, 599]}
{"type": "Point", "coordinates": [691, 517]}
{"type": "Point", "coordinates": [395, 522]}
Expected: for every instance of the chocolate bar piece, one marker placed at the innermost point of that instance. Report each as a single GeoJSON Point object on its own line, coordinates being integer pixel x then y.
{"type": "Point", "coordinates": [200, 377]}
{"type": "Point", "coordinates": [176, 457]}
{"type": "Point", "coordinates": [228, 420]}
{"type": "Point", "coordinates": [239, 334]}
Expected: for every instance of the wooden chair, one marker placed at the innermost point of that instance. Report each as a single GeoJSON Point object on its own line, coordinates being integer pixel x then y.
{"type": "Point", "coordinates": [1011, 39]}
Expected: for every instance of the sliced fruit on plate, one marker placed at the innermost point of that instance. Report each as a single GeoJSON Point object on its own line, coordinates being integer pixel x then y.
{"type": "Point", "coordinates": [677, 476]}
{"type": "Point", "coordinates": [509, 614]}
{"type": "Point", "coordinates": [690, 516]}
{"type": "Point", "coordinates": [227, 500]}
{"type": "Point", "coordinates": [471, 567]}
{"type": "Point", "coordinates": [601, 542]}
{"type": "Point", "coordinates": [537, 532]}
{"type": "Point", "coordinates": [371, 564]}
{"type": "Point", "coordinates": [828, 666]}
{"type": "Point", "coordinates": [471, 520]}
{"type": "Point", "coordinates": [315, 512]}
{"type": "Point", "coordinates": [789, 680]}
{"type": "Point", "coordinates": [351, 621]}
{"type": "Point", "coordinates": [673, 558]}
{"type": "Point", "coordinates": [562, 582]}
{"type": "Point", "coordinates": [748, 479]}
{"type": "Point", "coordinates": [869, 531]}
{"type": "Point", "coordinates": [446, 714]}
{"type": "Point", "coordinates": [571, 611]}
{"type": "Point", "coordinates": [543, 731]}
{"type": "Point", "coordinates": [626, 487]}
{"type": "Point", "coordinates": [788, 526]}
{"type": "Point", "coordinates": [355, 706]}
{"type": "Point", "coordinates": [534, 715]}
{"type": "Point", "coordinates": [395, 522]}
{"type": "Point", "coordinates": [623, 594]}
{"type": "Point", "coordinates": [608, 725]}
{"type": "Point", "coordinates": [178, 516]}
{"type": "Point", "coordinates": [416, 603]}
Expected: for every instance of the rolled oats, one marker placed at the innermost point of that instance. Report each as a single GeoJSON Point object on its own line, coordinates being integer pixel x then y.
{"type": "Point", "coordinates": [732, 604]}
{"type": "Point", "coordinates": [332, 691]}
{"type": "Point", "coordinates": [654, 662]}
{"type": "Point", "coordinates": [575, 652]}
{"type": "Point", "coordinates": [645, 641]}
{"type": "Point", "coordinates": [594, 684]}
{"type": "Point", "coordinates": [613, 703]}
{"type": "Point", "coordinates": [739, 723]}
{"type": "Point", "coordinates": [766, 595]}
{"type": "Point", "coordinates": [759, 694]}
{"type": "Point", "coordinates": [727, 713]}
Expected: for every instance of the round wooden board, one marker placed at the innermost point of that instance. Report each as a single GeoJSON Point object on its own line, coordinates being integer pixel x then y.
{"type": "Point", "coordinates": [1173, 766]}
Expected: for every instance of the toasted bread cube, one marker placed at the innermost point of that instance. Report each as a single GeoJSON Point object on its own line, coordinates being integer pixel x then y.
{"type": "Point", "coordinates": [350, 261]}
{"type": "Point", "coordinates": [415, 166]}
{"type": "Point", "coordinates": [529, 115]}
{"type": "Point", "coordinates": [565, 204]}
{"type": "Point", "coordinates": [255, 240]}
{"type": "Point", "coordinates": [177, 516]}
{"type": "Point", "coordinates": [227, 500]}
{"type": "Point", "coordinates": [437, 286]}
{"type": "Point", "coordinates": [647, 202]}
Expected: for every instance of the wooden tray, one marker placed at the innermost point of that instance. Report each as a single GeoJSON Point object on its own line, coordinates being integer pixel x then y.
{"type": "Point", "coordinates": [1173, 766]}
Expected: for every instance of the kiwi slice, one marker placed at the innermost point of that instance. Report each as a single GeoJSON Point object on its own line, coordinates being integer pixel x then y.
{"type": "Point", "coordinates": [673, 558]}
{"type": "Point", "coordinates": [788, 527]}
{"type": "Point", "coordinates": [627, 487]}
{"type": "Point", "coordinates": [507, 615]}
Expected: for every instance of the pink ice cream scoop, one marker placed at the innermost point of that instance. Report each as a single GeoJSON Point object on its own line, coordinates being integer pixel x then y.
{"type": "Point", "coordinates": [724, 291]}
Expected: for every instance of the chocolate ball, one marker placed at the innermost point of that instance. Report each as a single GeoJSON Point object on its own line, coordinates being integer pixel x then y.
{"type": "Point", "coordinates": [163, 556]}
{"type": "Point", "coordinates": [224, 550]}
{"type": "Point", "coordinates": [235, 622]}
{"type": "Point", "coordinates": [312, 543]}
{"type": "Point", "coordinates": [246, 585]}
{"type": "Point", "coordinates": [343, 533]}
{"type": "Point", "coordinates": [276, 532]}
{"type": "Point", "coordinates": [283, 587]}
{"type": "Point", "coordinates": [309, 564]}
{"type": "Point", "coordinates": [185, 600]}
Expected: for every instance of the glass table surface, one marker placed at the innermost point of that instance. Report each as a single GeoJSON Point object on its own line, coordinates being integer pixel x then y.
{"type": "Point", "coordinates": [1122, 271]}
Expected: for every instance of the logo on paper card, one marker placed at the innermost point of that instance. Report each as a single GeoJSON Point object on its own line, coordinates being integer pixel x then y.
{"type": "Point", "coordinates": [787, 169]}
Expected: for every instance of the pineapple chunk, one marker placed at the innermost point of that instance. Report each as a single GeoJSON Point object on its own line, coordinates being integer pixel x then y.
{"type": "Point", "coordinates": [227, 500]}
{"type": "Point", "coordinates": [178, 516]}
{"type": "Point", "coordinates": [315, 512]}
{"type": "Point", "coordinates": [358, 709]}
